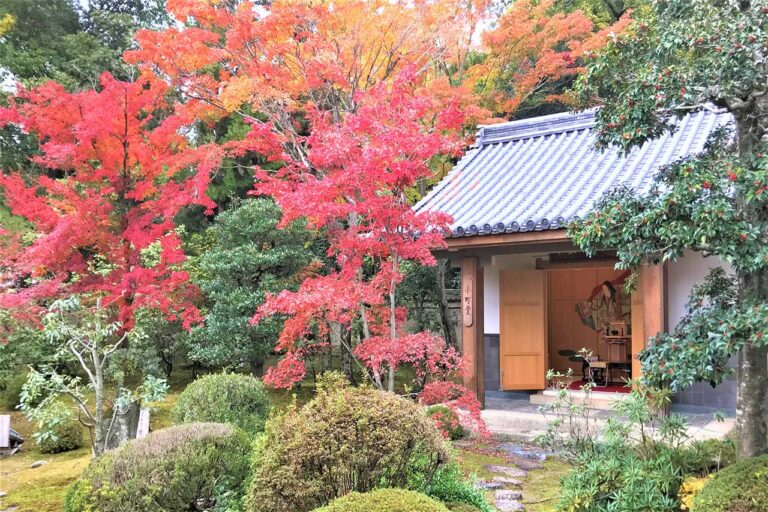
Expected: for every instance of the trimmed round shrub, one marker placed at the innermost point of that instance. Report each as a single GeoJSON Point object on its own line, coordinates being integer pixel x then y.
{"type": "Point", "coordinates": [447, 421]}
{"type": "Point", "coordinates": [198, 466]}
{"type": "Point", "coordinates": [385, 500]}
{"type": "Point", "coordinates": [741, 487]}
{"type": "Point", "coordinates": [67, 436]}
{"type": "Point", "coordinates": [224, 398]}
{"type": "Point", "coordinates": [346, 439]}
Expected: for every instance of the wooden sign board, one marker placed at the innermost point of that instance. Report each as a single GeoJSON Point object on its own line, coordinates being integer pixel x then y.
{"type": "Point", "coordinates": [467, 311]}
{"type": "Point", "coordinates": [143, 429]}
{"type": "Point", "coordinates": [5, 431]}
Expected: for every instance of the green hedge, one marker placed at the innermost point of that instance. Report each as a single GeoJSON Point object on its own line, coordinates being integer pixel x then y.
{"type": "Point", "coordinates": [742, 487]}
{"type": "Point", "coordinates": [385, 500]}
{"type": "Point", "coordinates": [224, 398]}
{"type": "Point", "coordinates": [198, 466]}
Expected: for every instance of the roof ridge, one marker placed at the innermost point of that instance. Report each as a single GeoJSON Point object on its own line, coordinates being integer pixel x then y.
{"type": "Point", "coordinates": [535, 126]}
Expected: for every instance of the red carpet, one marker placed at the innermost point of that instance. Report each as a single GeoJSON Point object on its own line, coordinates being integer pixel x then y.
{"type": "Point", "coordinates": [612, 388]}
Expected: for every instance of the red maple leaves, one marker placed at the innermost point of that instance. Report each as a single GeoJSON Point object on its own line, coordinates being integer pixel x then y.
{"type": "Point", "coordinates": [353, 185]}
{"type": "Point", "coordinates": [119, 169]}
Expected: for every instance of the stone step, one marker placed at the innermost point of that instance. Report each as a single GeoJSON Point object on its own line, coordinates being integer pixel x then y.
{"type": "Point", "coordinates": [596, 399]}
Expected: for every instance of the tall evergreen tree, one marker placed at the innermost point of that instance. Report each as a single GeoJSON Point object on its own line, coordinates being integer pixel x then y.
{"type": "Point", "coordinates": [681, 56]}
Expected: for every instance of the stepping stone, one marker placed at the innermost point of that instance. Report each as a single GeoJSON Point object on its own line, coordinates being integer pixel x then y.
{"type": "Point", "coordinates": [488, 486]}
{"type": "Point", "coordinates": [526, 453]}
{"type": "Point", "coordinates": [507, 482]}
{"type": "Point", "coordinates": [525, 464]}
{"type": "Point", "coordinates": [38, 463]}
{"type": "Point", "coordinates": [507, 495]}
{"type": "Point", "coordinates": [509, 506]}
{"type": "Point", "coordinates": [506, 470]}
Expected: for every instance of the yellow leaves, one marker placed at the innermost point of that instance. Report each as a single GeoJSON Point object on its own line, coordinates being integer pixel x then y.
{"type": "Point", "coordinates": [7, 23]}
{"type": "Point", "coordinates": [235, 92]}
{"type": "Point", "coordinates": [689, 488]}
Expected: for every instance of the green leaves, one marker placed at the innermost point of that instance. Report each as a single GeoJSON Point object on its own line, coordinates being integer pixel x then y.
{"type": "Point", "coordinates": [244, 257]}
{"type": "Point", "coordinates": [678, 56]}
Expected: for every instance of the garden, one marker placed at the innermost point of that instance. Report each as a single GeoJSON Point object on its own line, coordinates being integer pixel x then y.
{"type": "Point", "coordinates": [216, 293]}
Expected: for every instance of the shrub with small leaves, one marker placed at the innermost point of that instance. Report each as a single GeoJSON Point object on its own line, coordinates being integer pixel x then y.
{"type": "Point", "coordinates": [462, 507]}
{"type": "Point", "coordinates": [198, 466]}
{"type": "Point", "coordinates": [629, 470]}
{"type": "Point", "coordinates": [346, 439]}
{"type": "Point", "coordinates": [224, 398]}
{"type": "Point", "coordinates": [450, 487]}
{"type": "Point", "coordinates": [384, 500]}
{"type": "Point", "coordinates": [447, 421]}
{"type": "Point", "coordinates": [64, 436]}
{"type": "Point", "coordinates": [742, 487]}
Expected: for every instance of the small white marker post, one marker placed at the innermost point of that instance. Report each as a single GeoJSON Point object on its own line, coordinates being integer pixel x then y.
{"type": "Point", "coordinates": [143, 429]}
{"type": "Point", "coordinates": [5, 431]}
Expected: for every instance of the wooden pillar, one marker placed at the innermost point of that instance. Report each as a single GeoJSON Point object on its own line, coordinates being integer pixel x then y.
{"type": "Point", "coordinates": [472, 328]}
{"type": "Point", "coordinates": [649, 309]}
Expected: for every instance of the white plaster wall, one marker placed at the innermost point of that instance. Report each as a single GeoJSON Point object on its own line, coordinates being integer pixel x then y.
{"type": "Point", "coordinates": [681, 276]}
{"type": "Point", "coordinates": [491, 284]}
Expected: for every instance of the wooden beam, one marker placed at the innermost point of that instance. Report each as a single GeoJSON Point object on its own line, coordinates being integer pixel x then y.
{"type": "Point", "coordinates": [654, 300]}
{"type": "Point", "coordinates": [542, 264]}
{"type": "Point", "coordinates": [555, 235]}
{"type": "Point", "coordinates": [472, 325]}
{"type": "Point", "coordinates": [649, 310]}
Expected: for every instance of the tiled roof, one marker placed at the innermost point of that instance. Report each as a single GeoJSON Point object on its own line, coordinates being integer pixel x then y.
{"type": "Point", "coordinates": [539, 173]}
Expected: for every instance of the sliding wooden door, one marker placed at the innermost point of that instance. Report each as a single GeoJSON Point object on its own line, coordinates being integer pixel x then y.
{"type": "Point", "coordinates": [523, 329]}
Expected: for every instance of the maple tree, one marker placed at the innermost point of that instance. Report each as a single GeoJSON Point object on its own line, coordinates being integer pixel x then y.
{"type": "Point", "coordinates": [356, 116]}
{"type": "Point", "coordinates": [103, 221]}
{"type": "Point", "coordinates": [353, 186]}
{"type": "Point", "coordinates": [534, 52]}
{"type": "Point", "coordinates": [277, 61]}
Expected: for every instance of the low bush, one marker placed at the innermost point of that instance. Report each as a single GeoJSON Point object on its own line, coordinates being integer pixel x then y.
{"type": "Point", "coordinates": [449, 486]}
{"type": "Point", "coordinates": [631, 470]}
{"type": "Point", "coordinates": [384, 500]}
{"type": "Point", "coordinates": [741, 487]}
{"type": "Point", "coordinates": [346, 439]}
{"type": "Point", "coordinates": [224, 398]}
{"type": "Point", "coordinates": [198, 466]}
{"type": "Point", "coordinates": [447, 421]}
{"type": "Point", "coordinates": [65, 436]}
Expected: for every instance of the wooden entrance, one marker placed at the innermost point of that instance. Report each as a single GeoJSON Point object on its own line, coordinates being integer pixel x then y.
{"type": "Point", "coordinates": [523, 329]}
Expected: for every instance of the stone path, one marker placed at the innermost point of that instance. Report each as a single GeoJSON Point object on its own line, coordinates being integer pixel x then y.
{"type": "Point", "coordinates": [507, 480]}
{"type": "Point", "coordinates": [522, 421]}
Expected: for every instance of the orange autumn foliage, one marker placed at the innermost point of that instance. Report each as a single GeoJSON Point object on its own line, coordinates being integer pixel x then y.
{"type": "Point", "coordinates": [296, 55]}
{"type": "Point", "coordinates": [531, 51]}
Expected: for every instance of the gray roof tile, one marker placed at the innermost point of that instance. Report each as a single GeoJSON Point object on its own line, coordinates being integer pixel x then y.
{"type": "Point", "coordinates": [539, 173]}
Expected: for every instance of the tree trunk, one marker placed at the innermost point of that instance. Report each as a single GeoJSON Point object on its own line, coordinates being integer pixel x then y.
{"type": "Point", "coordinates": [257, 366]}
{"type": "Point", "coordinates": [449, 331]}
{"type": "Point", "coordinates": [752, 398]}
{"type": "Point", "coordinates": [100, 445]}
{"type": "Point", "coordinates": [346, 356]}
{"type": "Point", "coordinates": [750, 402]}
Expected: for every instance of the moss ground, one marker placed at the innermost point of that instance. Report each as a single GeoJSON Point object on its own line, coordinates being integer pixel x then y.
{"type": "Point", "coordinates": [540, 487]}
